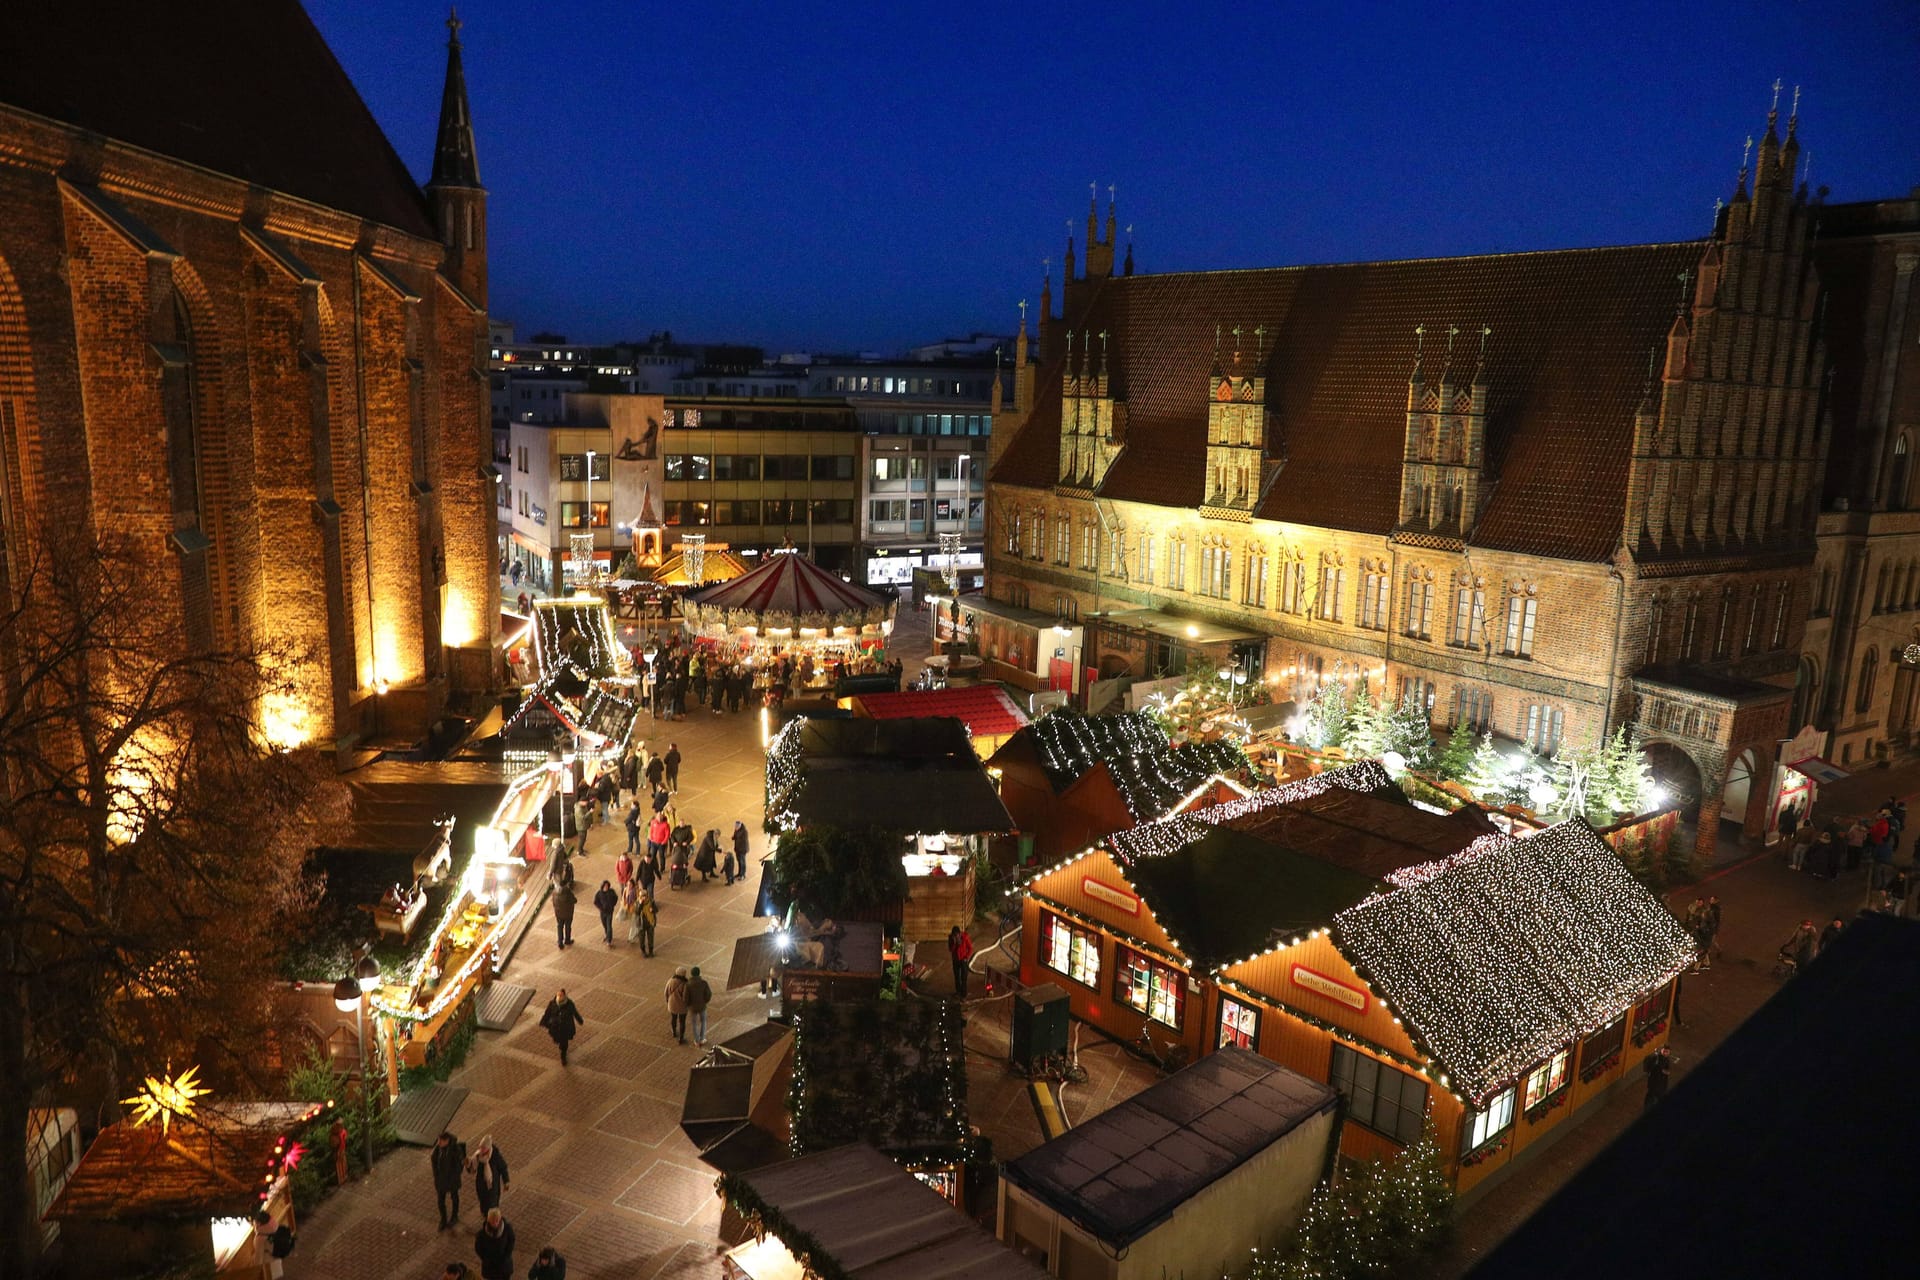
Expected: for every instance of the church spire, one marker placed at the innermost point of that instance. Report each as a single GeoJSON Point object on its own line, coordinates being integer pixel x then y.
{"type": "Point", "coordinates": [454, 163]}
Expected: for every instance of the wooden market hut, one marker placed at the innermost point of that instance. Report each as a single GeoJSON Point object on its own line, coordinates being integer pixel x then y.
{"type": "Point", "coordinates": [146, 1192]}
{"type": "Point", "coordinates": [1070, 780]}
{"type": "Point", "coordinates": [1184, 1177]}
{"type": "Point", "coordinates": [1501, 988]}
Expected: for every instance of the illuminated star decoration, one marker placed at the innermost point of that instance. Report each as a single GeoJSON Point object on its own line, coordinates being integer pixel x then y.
{"type": "Point", "coordinates": [291, 1159]}
{"type": "Point", "coordinates": [165, 1097]}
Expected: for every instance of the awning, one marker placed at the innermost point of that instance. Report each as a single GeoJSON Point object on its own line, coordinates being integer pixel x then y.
{"type": "Point", "coordinates": [1822, 771]}
{"type": "Point", "coordinates": [537, 548]}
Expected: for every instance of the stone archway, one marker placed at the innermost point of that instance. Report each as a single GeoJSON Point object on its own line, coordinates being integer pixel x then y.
{"type": "Point", "coordinates": [1678, 773]}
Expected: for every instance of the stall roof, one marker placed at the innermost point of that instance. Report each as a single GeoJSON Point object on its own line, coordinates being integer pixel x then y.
{"type": "Point", "coordinates": [1176, 626]}
{"type": "Point", "coordinates": [1366, 776]}
{"type": "Point", "coordinates": [394, 803]}
{"type": "Point", "coordinates": [860, 1214]}
{"type": "Point", "coordinates": [985, 709]}
{"type": "Point", "coordinates": [1150, 773]}
{"type": "Point", "coordinates": [1373, 833]}
{"type": "Point", "coordinates": [1009, 612]}
{"type": "Point", "coordinates": [1763, 1103]}
{"type": "Point", "coordinates": [917, 775]}
{"type": "Point", "coordinates": [1124, 1172]}
{"type": "Point", "coordinates": [1512, 950]}
{"type": "Point", "coordinates": [207, 1165]}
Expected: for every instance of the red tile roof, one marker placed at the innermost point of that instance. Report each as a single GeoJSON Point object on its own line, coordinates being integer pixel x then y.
{"type": "Point", "coordinates": [246, 88]}
{"type": "Point", "coordinates": [1565, 367]}
{"type": "Point", "coordinates": [985, 709]}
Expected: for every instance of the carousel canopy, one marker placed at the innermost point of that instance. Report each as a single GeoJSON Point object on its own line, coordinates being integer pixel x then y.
{"type": "Point", "coordinates": [717, 565]}
{"type": "Point", "coordinates": [789, 590]}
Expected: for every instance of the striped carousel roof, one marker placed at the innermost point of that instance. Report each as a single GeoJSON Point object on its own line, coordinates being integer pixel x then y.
{"type": "Point", "coordinates": [788, 583]}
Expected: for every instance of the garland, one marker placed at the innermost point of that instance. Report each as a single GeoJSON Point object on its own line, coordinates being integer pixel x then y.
{"type": "Point", "coordinates": [1485, 1151]}
{"type": "Point", "coordinates": [1648, 1030]}
{"type": "Point", "coordinates": [1588, 1070]}
{"type": "Point", "coordinates": [1551, 1102]}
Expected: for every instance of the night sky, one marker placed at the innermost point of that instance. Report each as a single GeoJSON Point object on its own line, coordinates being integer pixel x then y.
{"type": "Point", "coordinates": [863, 176]}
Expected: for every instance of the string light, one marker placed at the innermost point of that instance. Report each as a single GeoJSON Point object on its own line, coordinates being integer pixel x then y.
{"type": "Point", "coordinates": [1176, 832]}
{"type": "Point", "coordinates": [1150, 773]}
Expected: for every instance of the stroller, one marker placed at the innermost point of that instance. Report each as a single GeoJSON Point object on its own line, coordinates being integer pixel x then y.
{"type": "Point", "coordinates": [680, 855]}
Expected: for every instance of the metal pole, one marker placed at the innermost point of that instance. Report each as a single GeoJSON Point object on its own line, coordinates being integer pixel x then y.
{"type": "Point", "coordinates": [366, 1094]}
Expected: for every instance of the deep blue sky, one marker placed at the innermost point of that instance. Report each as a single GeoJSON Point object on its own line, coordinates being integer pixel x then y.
{"type": "Point", "coordinates": [862, 175]}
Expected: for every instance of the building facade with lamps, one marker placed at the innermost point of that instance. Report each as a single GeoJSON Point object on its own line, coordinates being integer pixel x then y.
{"type": "Point", "coordinates": [252, 349]}
{"type": "Point", "coordinates": [1545, 494]}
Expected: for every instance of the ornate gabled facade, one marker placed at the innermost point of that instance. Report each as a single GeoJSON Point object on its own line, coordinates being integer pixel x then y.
{"type": "Point", "coordinates": [1544, 493]}
{"type": "Point", "coordinates": [235, 329]}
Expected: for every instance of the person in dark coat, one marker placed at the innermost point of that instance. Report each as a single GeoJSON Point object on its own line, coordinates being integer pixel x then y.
{"type": "Point", "coordinates": [673, 766]}
{"type": "Point", "coordinates": [1658, 1066]}
{"type": "Point", "coordinates": [489, 1173]}
{"type": "Point", "coordinates": [564, 900]}
{"type": "Point", "coordinates": [548, 1266]}
{"type": "Point", "coordinates": [656, 772]}
{"type": "Point", "coordinates": [644, 871]}
{"type": "Point", "coordinates": [560, 1019]}
{"type": "Point", "coordinates": [633, 826]}
{"type": "Point", "coordinates": [1831, 934]}
{"type": "Point", "coordinates": [605, 902]}
{"type": "Point", "coordinates": [960, 947]}
{"type": "Point", "coordinates": [709, 856]}
{"type": "Point", "coordinates": [741, 841]}
{"type": "Point", "coordinates": [493, 1243]}
{"type": "Point", "coordinates": [448, 1159]}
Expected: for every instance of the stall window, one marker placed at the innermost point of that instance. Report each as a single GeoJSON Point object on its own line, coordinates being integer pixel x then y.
{"type": "Point", "coordinates": [1070, 950]}
{"type": "Point", "coordinates": [1545, 1080]}
{"type": "Point", "coordinates": [1149, 987]}
{"type": "Point", "coordinates": [1388, 1101]}
{"type": "Point", "coordinates": [1652, 1009]}
{"type": "Point", "coordinates": [1597, 1054]}
{"type": "Point", "coordinates": [1239, 1024]}
{"type": "Point", "coordinates": [1491, 1121]}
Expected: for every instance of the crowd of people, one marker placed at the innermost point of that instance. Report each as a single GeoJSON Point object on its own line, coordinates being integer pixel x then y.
{"type": "Point", "coordinates": [1842, 844]}
{"type": "Point", "coordinates": [677, 677]}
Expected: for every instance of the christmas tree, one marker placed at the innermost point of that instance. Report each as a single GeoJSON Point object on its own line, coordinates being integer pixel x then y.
{"type": "Point", "coordinates": [1374, 1222]}
{"type": "Point", "coordinates": [1451, 763]}
{"type": "Point", "coordinates": [1405, 729]}
{"type": "Point", "coordinates": [1327, 715]}
{"type": "Point", "coordinates": [1485, 775]}
{"type": "Point", "coordinates": [1366, 726]}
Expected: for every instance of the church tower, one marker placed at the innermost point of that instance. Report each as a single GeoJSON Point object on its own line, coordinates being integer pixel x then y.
{"type": "Point", "coordinates": [459, 201]}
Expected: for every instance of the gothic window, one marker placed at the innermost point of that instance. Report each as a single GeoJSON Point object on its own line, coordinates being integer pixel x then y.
{"type": "Point", "coordinates": [1783, 593]}
{"type": "Point", "coordinates": [1013, 534]}
{"type": "Point", "coordinates": [1656, 626]}
{"type": "Point", "coordinates": [1293, 571]}
{"type": "Point", "coordinates": [1373, 595]}
{"type": "Point", "coordinates": [1823, 598]}
{"type": "Point", "coordinates": [1469, 610]}
{"type": "Point", "coordinates": [1177, 562]}
{"type": "Point", "coordinates": [1880, 589]}
{"type": "Point", "coordinates": [1117, 554]}
{"type": "Point", "coordinates": [1063, 541]}
{"type": "Point", "coordinates": [1690, 629]}
{"type": "Point", "coordinates": [1723, 633]}
{"type": "Point", "coordinates": [180, 416]}
{"type": "Point", "coordinates": [1521, 607]}
{"type": "Point", "coordinates": [1869, 668]}
{"type": "Point", "coordinates": [1898, 475]}
{"type": "Point", "coordinates": [1472, 705]}
{"type": "Point", "coordinates": [1089, 545]}
{"type": "Point", "coordinates": [1419, 692]}
{"type": "Point", "coordinates": [1542, 727]}
{"type": "Point", "coordinates": [1216, 570]}
{"type": "Point", "coordinates": [1037, 536]}
{"type": "Point", "coordinates": [1333, 585]}
{"type": "Point", "coordinates": [1754, 606]}
{"type": "Point", "coordinates": [1419, 621]}
{"type": "Point", "coordinates": [1146, 559]}
{"type": "Point", "coordinates": [1256, 585]}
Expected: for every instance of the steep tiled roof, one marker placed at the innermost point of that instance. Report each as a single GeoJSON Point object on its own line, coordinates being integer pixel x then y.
{"type": "Point", "coordinates": [246, 88]}
{"type": "Point", "coordinates": [1566, 362]}
{"type": "Point", "coordinates": [1517, 948]}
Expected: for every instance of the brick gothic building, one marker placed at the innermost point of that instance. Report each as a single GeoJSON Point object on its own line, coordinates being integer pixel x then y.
{"type": "Point", "coordinates": [233, 326]}
{"type": "Point", "coordinates": [1549, 493]}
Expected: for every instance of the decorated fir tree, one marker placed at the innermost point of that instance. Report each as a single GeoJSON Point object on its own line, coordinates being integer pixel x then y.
{"type": "Point", "coordinates": [1405, 729]}
{"type": "Point", "coordinates": [1366, 725]}
{"type": "Point", "coordinates": [1452, 761]}
{"type": "Point", "coordinates": [1629, 778]}
{"type": "Point", "coordinates": [1416, 1199]}
{"type": "Point", "coordinates": [1327, 715]}
{"type": "Point", "coordinates": [1485, 775]}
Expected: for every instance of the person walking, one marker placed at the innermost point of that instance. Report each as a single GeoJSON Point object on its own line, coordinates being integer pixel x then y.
{"type": "Point", "coordinates": [1711, 921]}
{"type": "Point", "coordinates": [656, 772]}
{"type": "Point", "coordinates": [489, 1173]}
{"type": "Point", "coordinates": [659, 832]}
{"type": "Point", "coordinates": [1799, 948]}
{"type": "Point", "coordinates": [699, 996]}
{"type": "Point", "coordinates": [548, 1266]}
{"type": "Point", "coordinates": [338, 1136]}
{"type": "Point", "coordinates": [605, 902]}
{"type": "Point", "coordinates": [960, 947]}
{"type": "Point", "coordinates": [643, 875]}
{"type": "Point", "coordinates": [1828, 847]}
{"type": "Point", "coordinates": [708, 858]}
{"type": "Point", "coordinates": [1803, 842]}
{"type": "Point", "coordinates": [1789, 821]}
{"type": "Point", "coordinates": [1658, 1066]}
{"type": "Point", "coordinates": [741, 841]}
{"type": "Point", "coordinates": [564, 901]}
{"type": "Point", "coordinates": [560, 1020]}
{"type": "Point", "coordinates": [273, 1242]}
{"type": "Point", "coordinates": [623, 870]}
{"type": "Point", "coordinates": [1831, 934]}
{"type": "Point", "coordinates": [676, 998]}
{"type": "Point", "coordinates": [673, 766]}
{"type": "Point", "coordinates": [633, 826]}
{"type": "Point", "coordinates": [646, 917]}
{"type": "Point", "coordinates": [1696, 924]}
{"type": "Point", "coordinates": [493, 1245]}
{"type": "Point", "coordinates": [448, 1160]}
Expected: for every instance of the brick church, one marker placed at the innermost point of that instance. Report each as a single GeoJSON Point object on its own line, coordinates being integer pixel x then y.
{"type": "Point", "coordinates": [1543, 493]}
{"type": "Point", "coordinates": [235, 329]}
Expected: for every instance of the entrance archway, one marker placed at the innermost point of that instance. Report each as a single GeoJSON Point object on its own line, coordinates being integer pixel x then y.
{"type": "Point", "coordinates": [1738, 793]}
{"type": "Point", "coordinates": [1806, 683]}
{"type": "Point", "coordinates": [1676, 771]}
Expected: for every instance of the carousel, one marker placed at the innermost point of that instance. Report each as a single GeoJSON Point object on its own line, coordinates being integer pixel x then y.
{"type": "Point", "coordinates": [790, 606]}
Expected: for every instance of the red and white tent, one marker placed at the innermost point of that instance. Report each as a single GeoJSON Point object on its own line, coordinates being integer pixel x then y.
{"type": "Point", "coordinates": [788, 592]}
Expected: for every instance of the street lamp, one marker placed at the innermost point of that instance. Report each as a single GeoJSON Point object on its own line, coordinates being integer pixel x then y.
{"type": "Point", "coordinates": [350, 996]}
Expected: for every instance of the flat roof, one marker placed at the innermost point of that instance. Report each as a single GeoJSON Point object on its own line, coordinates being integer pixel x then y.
{"type": "Point", "coordinates": [1160, 622]}
{"type": "Point", "coordinates": [917, 775]}
{"type": "Point", "coordinates": [1124, 1172]}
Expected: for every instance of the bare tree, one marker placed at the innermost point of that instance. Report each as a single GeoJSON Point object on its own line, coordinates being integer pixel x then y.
{"type": "Point", "coordinates": [152, 837]}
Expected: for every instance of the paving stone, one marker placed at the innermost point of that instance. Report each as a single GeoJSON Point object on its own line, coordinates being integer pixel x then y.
{"type": "Point", "coordinates": [522, 1139]}
{"type": "Point", "coordinates": [614, 1245]}
{"type": "Point", "coordinates": [498, 1075]}
{"type": "Point", "coordinates": [376, 1248]}
{"type": "Point", "coordinates": [591, 1166]}
{"type": "Point", "coordinates": [673, 1193]}
{"type": "Point", "coordinates": [537, 1218]}
{"type": "Point", "coordinates": [640, 1118]}
{"type": "Point", "coordinates": [620, 1056]}
{"type": "Point", "coordinates": [600, 1006]}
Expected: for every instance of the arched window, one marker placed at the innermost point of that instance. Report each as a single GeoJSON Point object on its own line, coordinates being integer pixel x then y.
{"type": "Point", "coordinates": [1656, 624]}
{"type": "Point", "coordinates": [1869, 667]}
{"type": "Point", "coordinates": [1897, 476]}
{"type": "Point", "coordinates": [190, 539]}
{"type": "Point", "coordinates": [1880, 589]}
{"type": "Point", "coordinates": [1806, 683]}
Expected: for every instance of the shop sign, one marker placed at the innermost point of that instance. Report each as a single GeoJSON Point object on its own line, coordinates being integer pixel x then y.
{"type": "Point", "coordinates": [1113, 897]}
{"type": "Point", "coordinates": [539, 514]}
{"type": "Point", "coordinates": [1332, 988]}
{"type": "Point", "coordinates": [1805, 745]}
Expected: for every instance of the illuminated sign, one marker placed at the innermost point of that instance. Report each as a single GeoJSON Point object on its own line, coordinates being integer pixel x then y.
{"type": "Point", "coordinates": [1113, 897]}
{"type": "Point", "coordinates": [1332, 988]}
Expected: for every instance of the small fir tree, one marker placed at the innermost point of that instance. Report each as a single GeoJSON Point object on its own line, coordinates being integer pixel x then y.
{"type": "Point", "coordinates": [1418, 1201]}
{"type": "Point", "coordinates": [1407, 730]}
{"type": "Point", "coordinates": [1327, 715]}
{"type": "Point", "coordinates": [1366, 725]}
{"type": "Point", "coordinates": [1453, 759]}
{"type": "Point", "coordinates": [1484, 775]}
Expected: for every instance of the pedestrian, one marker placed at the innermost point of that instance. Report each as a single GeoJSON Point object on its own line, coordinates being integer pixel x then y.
{"type": "Point", "coordinates": [633, 826]}
{"type": "Point", "coordinates": [960, 947]}
{"type": "Point", "coordinates": [1659, 1066]}
{"type": "Point", "coordinates": [1799, 948]}
{"type": "Point", "coordinates": [455, 1271]}
{"type": "Point", "coordinates": [643, 875]}
{"type": "Point", "coordinates": [448, 1160]}
{"type": "Point", "coordinates": [582, 816]}
{"type": "Point", "coordinates": [1789, 821]}
{"type": "Point", "coordinates": [548, 1266]}
{"type": "Point", "coordinates": [489, 1173]}
{"type": "Point", "coordinates": [1803, 841]}
{"type": "Point", "coordinates": [646, 919]}
{"type": "Point", "coordinates": [623, 870]}
{"type": "Point", "coordinates": [709, 856]}
{"type": "Point", "coordinates": [560, 1021]}
{"type": "Point", "coordinates": [1696, 924]}
{"type": "Point", "coordinates": [338, 1137]}
{"type": "Point", "coordinates": [630, 773]}
{"type": "Point", "coordinates": [676, 998]}
{"type": "Point", "coordinates": [493, 1243]}
{"type": "Point", "coordinates": [1712, 925]}
{"type": "Point", "coordinates": [673, 766]}
{"type": "Point", "coordinates": [699, 996]}
{"type": "Point", "coordinates": [1831, 934]}
{"type": "Point", "coordinates": [741, 841]}
{"type": "Point", "coordinates": [656, 772]}
{"type": "Point", "coordinates": [1895, 902]}
{"type": "Point", "coordinates": [1829, 849]}
{"type": "Point", "coordinates": [605, 902]}
{"type": "Point", "coordinates": [564, 899]}
{"type": "Point", "coordinates": [604, 791]}
{"type": "Point", "coordinates": [273, 1242]}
